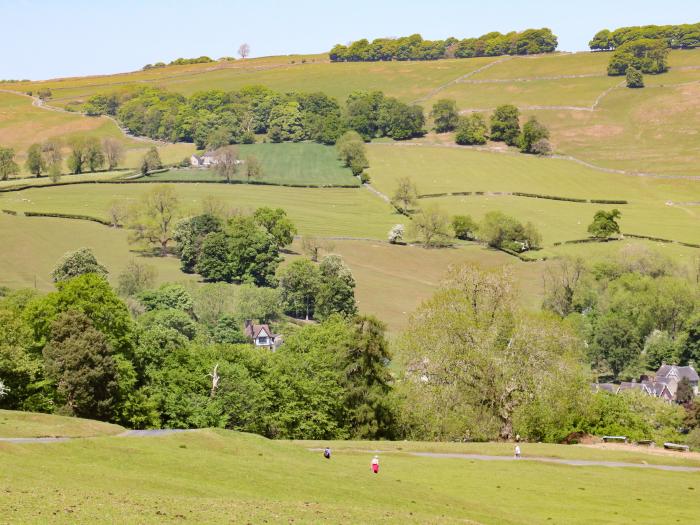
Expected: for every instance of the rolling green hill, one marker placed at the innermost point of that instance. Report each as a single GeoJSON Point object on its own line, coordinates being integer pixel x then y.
{"type": "Point", "coordinates": [209, 475]}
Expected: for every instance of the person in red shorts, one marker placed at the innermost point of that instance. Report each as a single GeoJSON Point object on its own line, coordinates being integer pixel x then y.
{"type": "Point", "coordinates": [375, 464]}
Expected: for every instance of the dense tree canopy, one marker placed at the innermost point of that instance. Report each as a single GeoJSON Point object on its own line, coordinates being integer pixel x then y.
{"type": "Point", "coordinates": [683, 36]}
{"type": "Point", "coordinates": [528, 42]}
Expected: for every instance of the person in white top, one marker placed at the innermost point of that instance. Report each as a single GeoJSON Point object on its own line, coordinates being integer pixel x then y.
{"type": "Point", "coordinates": [517, 451]}
{"type": "Point", "coordinates": [375, 464]}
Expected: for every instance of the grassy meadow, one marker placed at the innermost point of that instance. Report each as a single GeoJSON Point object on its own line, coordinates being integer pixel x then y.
{"type": "Point", "coordinates": [286, 163]}
{"type": "Point", "coordinates": [206, 476]}
{"type": "Point", "coordinates": [658, 207]}
{"type": "Point", "coordinates": [329, 212]}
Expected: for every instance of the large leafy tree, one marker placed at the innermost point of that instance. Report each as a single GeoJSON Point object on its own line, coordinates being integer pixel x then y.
{"type": "Point", "coordinates": [473, 354]}
{"type": "Point", "coordinates": [534, 132]}
{"type": "Point", "coordinates": [244, 252]}
{"type": "Point", "coordinates": [92, 295]}
{"type": "Point", "coordinates": [277, 224]}
{"type": "Point", "coordinates": [605, 223]}
{"type": "Point", "coordinates": [78, 359]}
{"type": "Point", "coordinates": [505, 124]}
{"type": "Point", "coordinates": [8, 166]}
{"type": "Point", "coordinates": [152, 220]}
{"type": "Point", "coordinates": [35, 164]}
{"type": "Point", "coordinates": [336, 291]}
{"type": "Point", "coordinates": [189, 234]}
{"type": "Point", "coordinates": [472, 130]}
{"type": "Point", "coordinates": [299, 284]}
{"type": "Point", "coordinates": [445, 115]}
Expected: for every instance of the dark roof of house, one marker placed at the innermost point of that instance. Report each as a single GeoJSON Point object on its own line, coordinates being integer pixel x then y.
{"type": "Point", "coordinates": [682, 371]}
{"type": "Point", "coordinates": [252, 330]}
{"type": "Point", "coordinates": [625, 385]}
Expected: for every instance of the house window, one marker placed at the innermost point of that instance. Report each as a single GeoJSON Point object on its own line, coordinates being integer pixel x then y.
{"type": "Point", "coordinates": [262, 341]}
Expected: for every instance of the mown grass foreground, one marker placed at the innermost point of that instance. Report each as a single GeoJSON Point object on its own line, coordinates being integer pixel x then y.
{"type": "Point", "coordinates": [220, 476]}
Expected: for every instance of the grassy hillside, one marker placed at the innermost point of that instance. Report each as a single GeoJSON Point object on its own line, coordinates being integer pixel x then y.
{"type": "Point", "coordinates": [29, 424]}
{"type": "Point", "coordinates": [22, 124]}
{"type": "Point", "coordinates": [657, 207]}
{"type": "Point", "coordinates": [207, 476]}
{"type": "Point", "coordinates": [332, 212]}
{"type": "Point", "coordinates": [592, 116]}
{"type": "Point", "coordinates": [285, 163]}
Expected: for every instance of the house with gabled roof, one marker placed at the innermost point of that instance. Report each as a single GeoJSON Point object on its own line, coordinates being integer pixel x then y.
{"type": "Point", "coordinates": [203, 161]}
{"type": "Point", "coordinates": [261, 336]}
{"type": "Point", "coordinates": [671, 375]}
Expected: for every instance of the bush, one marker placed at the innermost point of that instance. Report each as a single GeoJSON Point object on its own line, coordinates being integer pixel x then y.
{"type": "Point", "coordinates": [504, 232]}
{"type": "Point", "coordinates": [635, 79]}
{"type": "Point", "coordinates": [465, 227]}
{"type": "Point", "coordinates": [534, 137]}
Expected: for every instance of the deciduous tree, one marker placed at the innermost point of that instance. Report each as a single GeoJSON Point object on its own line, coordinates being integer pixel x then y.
{"type": "Point", "coordinates": [227, 162]}
{"type": "Point", "coordinates": [8, 166]}
{"type": "Point", "coordinates": [431, 226]}
{"type": "Point", "coordinates": [406, 195]}
{"type": "Point", "coordinates": [76, 263]}
{"type": "Point", "coordinates": [505, 124]}
{"type": "Point", "coordinates": [445, 115]}
{"type": "Point", "coordinates": [605, 223]}
{"type": "Point", "coordinates": [153, 219]}
{"type": "Point", "coordinates": [36, 164]}
{"type": "Point", "coordinates": [113, 150]}
{"type": "Point", "coordinates": [151, 161]}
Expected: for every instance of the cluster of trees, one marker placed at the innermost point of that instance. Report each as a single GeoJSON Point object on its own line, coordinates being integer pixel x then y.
{"type": "Point", "coordinates": [684, 36]}
{"type": "Point", "coordinates": [434, 228]}
{"type": "Point", "coordinates": [472, 364]}
{"type": "Point", "coordinates": [528, 42]}
{"type": "Point", "coordinates": [503, 125]}
{"type": "Point", "coordinates": [213, 119]}
{"type": "Point", "coordinates": [644, 55]}
{"type": "Point", "coordinates": [233, 247]}
{"type": "Point", "coordinates": [478, 367]}
{"type": "Point", "coordinates": [176, 357]}
{"type": "Point", "coordinates": [180, 62]}
{"type": "Point", "coordinates": [635, 311]}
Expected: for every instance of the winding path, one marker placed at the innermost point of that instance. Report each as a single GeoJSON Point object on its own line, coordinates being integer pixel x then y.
{"type": "Point", "coordinates": [558, 461]}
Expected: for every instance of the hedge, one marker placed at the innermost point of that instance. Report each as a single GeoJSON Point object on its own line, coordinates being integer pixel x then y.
{"type": "Point", "coordinates": [67, 216]}
{"type": "Point", "coordinates": [10, 212]}
{"type": "Point", "coordinates": [523, 194]}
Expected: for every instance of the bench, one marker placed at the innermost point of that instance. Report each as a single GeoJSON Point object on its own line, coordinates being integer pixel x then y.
{"type": "Point", "coordinates": [646, 443]}
{"type": "Point", "coordinates": [676, 446]}
{"type": "Point", "coordinates": [607, 439]}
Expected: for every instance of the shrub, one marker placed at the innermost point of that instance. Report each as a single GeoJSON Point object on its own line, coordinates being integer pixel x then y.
{"type": "Point", "coordinates": [396, 234]}
{"type": "Point", "coordinates": [465, 227]}
{"type": "Point", "coordinates": [635, 79]}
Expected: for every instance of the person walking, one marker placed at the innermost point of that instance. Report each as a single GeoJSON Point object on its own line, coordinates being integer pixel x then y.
{"type": "Point", "coordinates": [375, 464]}
{"type": "Point", "coordinates": [327, 453]}
{"type": "Point", "coordinates": [517, 451]}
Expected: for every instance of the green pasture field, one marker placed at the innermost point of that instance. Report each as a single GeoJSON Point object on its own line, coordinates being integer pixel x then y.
{"type": "Point", "coordinates": [577, 92]}
{"type": "Point", "coordinates": [286, 163]}
{"type": "Point", "coordinates": [657, 207]}
{"type": "Point", "coordinates": [212, 475]}
{"type": "Point", "coordinates": [332, 212]}
{"type": "Point", "coordinates": [549, 65]}
{"type": "Point", "coordinates": [31, 424]}
{"type": "Point", "coordinates": [405, 80]}
{"type": "Point", "coordinates": [393, 280]}
{"type": "Point", "coordinates": [31, 246]}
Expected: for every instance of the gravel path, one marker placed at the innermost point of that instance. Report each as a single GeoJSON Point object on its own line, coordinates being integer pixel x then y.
{"type": "Point", "coordinates": [127, 433]}
{"type": "Point", "coordinates": [570, 462]}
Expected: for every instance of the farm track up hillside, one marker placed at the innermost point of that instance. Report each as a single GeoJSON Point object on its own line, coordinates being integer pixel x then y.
{"type": "Point", "coordinates": [461, 78]}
